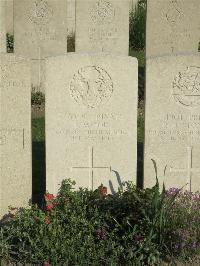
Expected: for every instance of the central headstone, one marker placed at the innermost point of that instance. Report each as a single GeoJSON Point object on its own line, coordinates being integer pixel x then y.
{"type": "Point", "coordinates": [40, 30]}
{"type": "Point", "coordinates": [102, 26]}
{"type": "Point", "coordinates": [15, 133]}
{"type": "Point", "coordinates": [91, 120]}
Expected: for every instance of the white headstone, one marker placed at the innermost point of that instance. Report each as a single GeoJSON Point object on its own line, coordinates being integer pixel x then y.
{"type": "Point", "coordinates": [15, 133]}
{"type": "Point", "coordinates": [172, 121]}
{"type": "Point", "coordinates": [71, 6]}
{"type": "Point", "coordinates": [91, 120]}
{"type": "Point", "coordinates": [173, 26]}
{"type": "Point", "coordinates": [9, 17]}
{"type": "Point", "coordinates": [2, 27]}
{"type": "Point", "coordinates": [102, 26]}
{"type": "Point", "coordinates": [133, 4]}
{"type": "Point", "coordinates": [40, 30]}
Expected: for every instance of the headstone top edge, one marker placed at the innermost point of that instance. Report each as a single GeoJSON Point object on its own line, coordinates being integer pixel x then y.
{"type": "Point", "coordinates": [178, 55]}
{"type": "Point", "coordinates": [98, 55]}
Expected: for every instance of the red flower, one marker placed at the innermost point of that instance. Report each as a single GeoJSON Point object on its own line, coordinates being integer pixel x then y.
{"type": "Point", "coordinates": [46, 220]}
{"type": "Point", "coordinates": [48, 196]}
{"type": "Point", "coordinates": [13, 211]}
{"type": "Point", "coordinates": [103, 190]}
{"type": "Point", "coordinates": [49, 206]}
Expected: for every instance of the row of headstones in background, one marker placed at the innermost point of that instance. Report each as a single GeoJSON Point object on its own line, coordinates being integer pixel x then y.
{"type": "Point", "coordinates": [70, 15]}
{"type": "Point", "coordinates": [172, 117]}
{"type": "Point", "coordinates": [102, 26]}
{"type": "Point", "coordinates": [15, 126]}
{"type": "Point", "coordinates": [173, 26]}
{"type": "Point", "coordinates": [40, 30]}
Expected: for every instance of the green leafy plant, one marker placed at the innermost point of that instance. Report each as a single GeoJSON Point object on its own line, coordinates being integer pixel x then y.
{"type": "Point", "coordinates": [137, 26]}
{"type": "Point", "coordinates": [37, 98]}
{"type": "Point", "coordinates": [83, 227]}
{"type": "Point", "coordinates": [71, 42]}
{"type": "Point", "coordinates": [10, 43]}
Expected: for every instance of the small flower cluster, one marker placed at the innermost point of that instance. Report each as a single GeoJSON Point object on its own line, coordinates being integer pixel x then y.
{"type": "Point", "coordinates": [185, 211]}
{"type": "Point", "coordinates": [101, 233]}
{"type": "Point", "coordinates": [13, 211]}
{"type": "Point", "coordinates": [139, 238]}
{"type": "Point", "coordinates": [49, 198]}
{"type": "Point", "coordinates": [103, 190]}
{"type": "Point", "coordinates": [172, 191]}
{"type": "Point", "coordinates": [185, 241]}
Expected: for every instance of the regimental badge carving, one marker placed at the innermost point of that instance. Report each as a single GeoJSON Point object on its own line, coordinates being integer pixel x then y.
{"type": "Point", "coordinates": [186, 87]}
{"type": "Point", "coordinates": [91, 86]}
{"type": "Point", "coordinates": [102, 12]}
{"type": "Point", "coordinates": [41, 13]}
{"type": "Point", "coordinates": [174, 13]}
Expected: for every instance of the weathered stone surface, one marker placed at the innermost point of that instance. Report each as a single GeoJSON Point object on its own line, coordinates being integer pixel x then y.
{"type": "Point", "coordinates": [71, 21]}
{"type": "Point", "coordinates": [15, 133]}
{"type": "Point", "coordinates": [173, 26]}
{"type": "Point", "coordinates": [102, 26]}
{"type": "Point", "coordinates": [40, 29]}
{"type": "Point", "coordinates": [2, 27]}
{"type": "Point", "coordinates": [91, 120]}
{"type": "Point", "coordinates": [132, 4]}
{"type": "Point", "coordinates": [9, 16]}
{"type": "Point", "coordinates": [172, 121]}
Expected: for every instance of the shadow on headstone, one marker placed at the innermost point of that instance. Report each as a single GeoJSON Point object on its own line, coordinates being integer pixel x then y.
{"type": "Point", "coordinates": [119, 180]}
{"type": "Point", "coordinates": [141, 74]}
{"type": "Point", "coordinates": [38, 172]}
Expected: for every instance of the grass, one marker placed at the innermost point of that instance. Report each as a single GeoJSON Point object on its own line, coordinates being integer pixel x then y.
{"type": "Point", "coordinates": [38, 129]}
{"type": "Point", "coordinates": [140, 55]}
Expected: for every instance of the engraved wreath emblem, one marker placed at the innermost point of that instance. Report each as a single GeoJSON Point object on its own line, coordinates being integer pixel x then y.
{"type": "Point", "coordinates": [102, 12]}
{"type": "Point", "coordinates": [91, 86]}
{"type": "Point", "coordinates": [174, 13]}
{"type": "Point", "coordinates": [186, 87]}
{"type": "Point", "coordinates": [42, 12]}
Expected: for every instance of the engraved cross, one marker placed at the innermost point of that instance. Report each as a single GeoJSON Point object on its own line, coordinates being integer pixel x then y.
{"type": "Point", "coordinates": [91, 168]}
{"type": "Point", "coordinates": [189, 170]}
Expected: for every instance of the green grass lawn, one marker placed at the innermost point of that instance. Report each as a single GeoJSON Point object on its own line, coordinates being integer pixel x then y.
{"type": "Point", "coordinates": [38, 129]}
